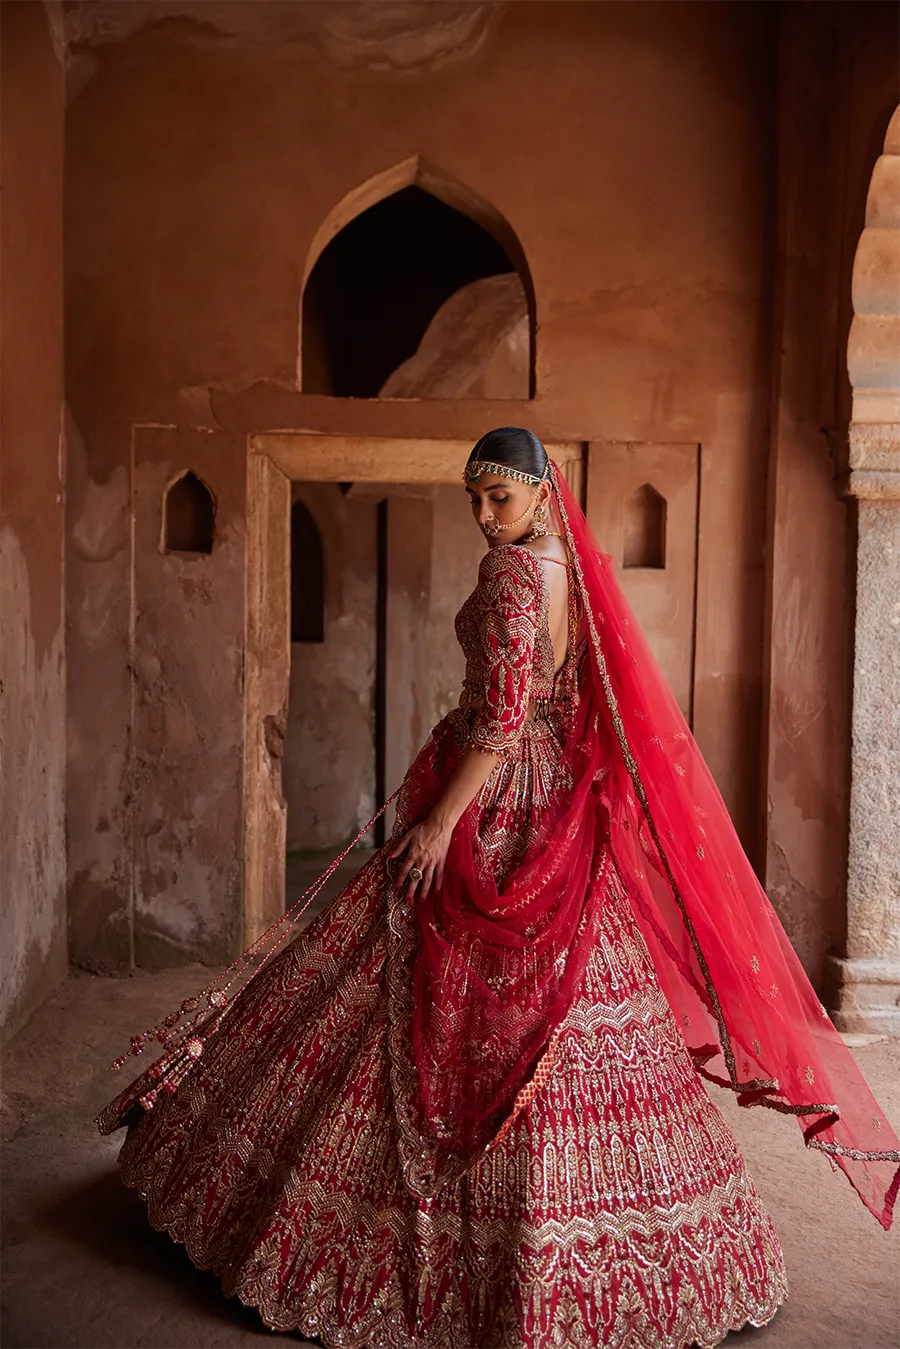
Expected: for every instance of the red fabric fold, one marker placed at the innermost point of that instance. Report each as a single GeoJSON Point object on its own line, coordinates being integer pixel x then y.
{"type": "Point", "coordinates": [724, 960]}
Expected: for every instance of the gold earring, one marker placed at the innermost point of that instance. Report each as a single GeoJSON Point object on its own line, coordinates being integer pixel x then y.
{"type": "Point", "coordinates": [540, 521]}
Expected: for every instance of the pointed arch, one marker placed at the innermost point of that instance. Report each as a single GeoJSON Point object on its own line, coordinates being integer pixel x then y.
{"type": "Point", "coordinates": [419, 172]}
{"type": "Point", "coordinates": [188, 515]}
{"type": "Point", "coordinates": [644, 529]}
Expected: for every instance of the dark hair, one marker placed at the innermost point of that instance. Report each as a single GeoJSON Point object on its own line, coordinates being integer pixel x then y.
{"type": "Point", "coordinates": [513, 447]}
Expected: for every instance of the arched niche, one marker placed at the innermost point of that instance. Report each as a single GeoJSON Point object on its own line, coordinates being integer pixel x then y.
{"type": "Point", "coordinates": [188, 515]}
{"type": "Point", "coordinates": [644, 529]}
{"type": "Point", "coordinates": [383, 264]}
{"type": "Point", "coordinates": [307, 577]}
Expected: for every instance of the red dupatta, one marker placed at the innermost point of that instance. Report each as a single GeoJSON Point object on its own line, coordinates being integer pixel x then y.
{"type": "Point", "coordinates": [748, 1011]}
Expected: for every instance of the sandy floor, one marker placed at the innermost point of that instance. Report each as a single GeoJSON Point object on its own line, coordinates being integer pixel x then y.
{"type": "Point", "coordinates": [82, 1268]}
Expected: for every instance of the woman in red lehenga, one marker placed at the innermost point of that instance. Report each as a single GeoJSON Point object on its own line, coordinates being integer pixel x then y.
{"type": "Point", "coordinates": [465, 1108]}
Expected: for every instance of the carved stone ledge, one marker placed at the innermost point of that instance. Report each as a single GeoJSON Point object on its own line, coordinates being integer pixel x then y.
{"type": "Point", "coordinates": [875, 445]}
{"type": "Point", "coordinates": [869, 485]}
{"type": "Point", "coordinates": [865, 995]}
{"type": "Point", "coordinates": [873, 472]}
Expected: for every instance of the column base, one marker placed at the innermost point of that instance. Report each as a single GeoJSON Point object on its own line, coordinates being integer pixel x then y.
{"type": "Point", "coordinates": [863, 994]}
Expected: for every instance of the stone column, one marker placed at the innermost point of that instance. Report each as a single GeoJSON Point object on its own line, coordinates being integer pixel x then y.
{"type": "Point", "coordinates": [868, 976]}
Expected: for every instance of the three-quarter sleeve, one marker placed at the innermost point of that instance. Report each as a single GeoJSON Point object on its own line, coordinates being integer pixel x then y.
{"type": "Point", "coordinates": [508, 581]}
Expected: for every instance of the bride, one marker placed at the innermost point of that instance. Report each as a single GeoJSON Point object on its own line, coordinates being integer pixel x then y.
{"type": "Point", "coordinates": [465, 1109]}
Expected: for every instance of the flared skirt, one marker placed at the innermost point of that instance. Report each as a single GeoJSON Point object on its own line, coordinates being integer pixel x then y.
{"type": "Point", "coordinates": [617, 1210]}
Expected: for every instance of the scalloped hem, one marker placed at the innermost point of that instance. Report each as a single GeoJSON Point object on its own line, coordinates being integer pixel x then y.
{"type": "Point", "coordinates": [340, 1337]}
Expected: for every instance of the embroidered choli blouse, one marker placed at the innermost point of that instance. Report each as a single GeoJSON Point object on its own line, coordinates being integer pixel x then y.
{"type": "Point", "coordinates": [505, 637]}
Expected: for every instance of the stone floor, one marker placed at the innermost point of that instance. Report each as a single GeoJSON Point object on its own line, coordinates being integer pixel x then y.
{"type": "Point", "coordinates": [82, 1269]}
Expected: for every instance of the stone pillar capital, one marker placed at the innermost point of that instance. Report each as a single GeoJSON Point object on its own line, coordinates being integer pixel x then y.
{"type": "Point", "coordinates": [867, 991]}
{"type": "Point", "coordinates": [874, 462]}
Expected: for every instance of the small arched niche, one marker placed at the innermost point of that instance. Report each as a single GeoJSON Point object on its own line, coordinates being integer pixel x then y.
{"type": "Point", "coordinates": [644, 529]}
{"type": "Point", "coordinates": [374, 289]}
{"type": "Point", "coordinates": [189, 513]}
{"type": "Point", "coordinates": [307, 577]}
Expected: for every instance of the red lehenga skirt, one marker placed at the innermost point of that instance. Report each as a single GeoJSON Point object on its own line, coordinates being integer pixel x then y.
{"type": "Point", "coordinates": [617, 1210]}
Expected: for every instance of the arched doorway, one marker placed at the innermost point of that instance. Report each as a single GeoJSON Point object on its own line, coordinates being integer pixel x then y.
{"type": "Point", "coordinates": [414, 475]}
{"type": "Point", "coordinates": [328, 772]}
{"type": "Point", "coordinates": [869, 975]}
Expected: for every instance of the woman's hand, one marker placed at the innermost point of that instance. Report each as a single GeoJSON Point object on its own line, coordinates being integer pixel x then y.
{"type": "Point", "coordinates": [425, 847]}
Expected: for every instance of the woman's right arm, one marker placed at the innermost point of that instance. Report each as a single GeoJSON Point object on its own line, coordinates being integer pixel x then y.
{"type": "Point", "coordinates": [427, 843]}
{"type": "Point", "coordinates": [509, 609]}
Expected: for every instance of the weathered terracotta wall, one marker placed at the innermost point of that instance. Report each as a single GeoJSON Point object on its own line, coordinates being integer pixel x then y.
{"type": "Point", "coordinates": [457, 548]}
{"type": "Point", "coordinates": [807, 690]}
{"type": "Point", "coordinates": [631, 149]}
{"type": "Point", "coordinates": [32, 638]}
{"type": "Point", "coordinates": [187, 656]}
{"type": "Point", "coordinates": [329, 758]}
{"type": "Point", "coordinates": [433, 552]}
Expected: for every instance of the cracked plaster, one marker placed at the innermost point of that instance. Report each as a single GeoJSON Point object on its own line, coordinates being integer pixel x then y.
{"type": "Point", "coordinates": [389, 35]}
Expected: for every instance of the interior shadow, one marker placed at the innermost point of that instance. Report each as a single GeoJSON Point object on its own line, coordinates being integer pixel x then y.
{"type": "Point", "coordinates": [110, 1221]}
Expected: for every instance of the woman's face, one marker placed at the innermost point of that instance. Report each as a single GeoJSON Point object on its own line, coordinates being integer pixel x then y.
{"type": "Point", "coordinates": [500, 501]}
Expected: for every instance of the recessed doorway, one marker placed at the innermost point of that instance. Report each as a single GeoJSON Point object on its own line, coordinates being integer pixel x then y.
{"type": "Point", "coordinates": [429, 558]}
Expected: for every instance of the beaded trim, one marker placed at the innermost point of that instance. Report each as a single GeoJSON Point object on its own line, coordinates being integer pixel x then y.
{"type": "Point", "coordinates": [474, 469]}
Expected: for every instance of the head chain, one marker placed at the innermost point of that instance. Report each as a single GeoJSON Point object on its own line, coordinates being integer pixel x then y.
{"type": "Point", "coordinates": [474, 469]}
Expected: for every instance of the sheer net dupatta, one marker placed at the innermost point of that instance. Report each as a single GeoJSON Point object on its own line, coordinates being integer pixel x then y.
{"type": "Point", "coordinates": [749, 1015]}
{"type": "Point", "coordinates": [480, 974]}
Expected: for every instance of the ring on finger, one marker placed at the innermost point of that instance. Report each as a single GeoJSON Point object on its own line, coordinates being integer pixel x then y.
{"type": "Point", "coordinates": [416, 873]}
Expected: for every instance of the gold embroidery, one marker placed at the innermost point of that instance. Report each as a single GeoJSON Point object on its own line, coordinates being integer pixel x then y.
{"type": "Point", "coordinates": [290, 1161]}
{"type": "Point", "coordinates": [510, 663]}
{"type": "Point", "coordinates": [278, 1169]}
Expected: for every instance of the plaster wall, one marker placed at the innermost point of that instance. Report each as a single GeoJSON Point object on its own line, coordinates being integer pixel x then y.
{"type": "Point", "coordinates": [434, 551]}
{"type": "Point", "coordinates": [32, 631]}
{"type": "Point", "coordinates": [187, 651]}
{"type": "Point", "coordinates": [810, 601]}
{"type": "Point", "coordinates": [329, 760]}
{"type": "Point", "coordinates": [638, 185]}
{"type": "Point", "coordinates": [457, 547]}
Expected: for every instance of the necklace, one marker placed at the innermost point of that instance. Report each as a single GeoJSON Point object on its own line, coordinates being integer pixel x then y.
{"type": "Point", "coordinates": [548, 534]}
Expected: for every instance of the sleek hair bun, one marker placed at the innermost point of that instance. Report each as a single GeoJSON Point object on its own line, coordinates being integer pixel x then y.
{"type": "Point", "coordinates": [514, 447]}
